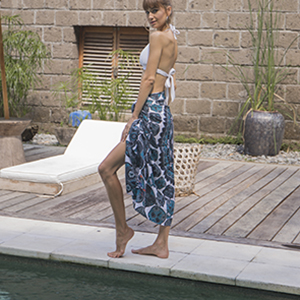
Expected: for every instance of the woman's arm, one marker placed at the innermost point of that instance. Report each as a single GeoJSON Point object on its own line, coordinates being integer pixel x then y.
{"type": "Point", "coordinates": [148, 79]}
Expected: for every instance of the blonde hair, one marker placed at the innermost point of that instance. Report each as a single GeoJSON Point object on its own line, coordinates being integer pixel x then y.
{"type": "Point", "coordinates": [148, 4]}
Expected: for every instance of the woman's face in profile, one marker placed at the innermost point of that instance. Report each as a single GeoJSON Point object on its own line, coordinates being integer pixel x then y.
{"type": "Point", "coordinates": [157, 16]}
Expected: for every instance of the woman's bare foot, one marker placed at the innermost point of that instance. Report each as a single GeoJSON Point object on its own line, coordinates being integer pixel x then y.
{"type": "Point", "coordinates": [156, 250]}
{"type": "Point", "coordinates": [121, 242]}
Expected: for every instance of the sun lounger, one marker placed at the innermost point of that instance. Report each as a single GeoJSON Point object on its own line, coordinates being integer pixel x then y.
{"type": "Point", "coordinates": [73, 170]}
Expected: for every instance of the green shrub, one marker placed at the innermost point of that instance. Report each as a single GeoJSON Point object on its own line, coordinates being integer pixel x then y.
{"type": "Point", "coordinates": [24, 55]}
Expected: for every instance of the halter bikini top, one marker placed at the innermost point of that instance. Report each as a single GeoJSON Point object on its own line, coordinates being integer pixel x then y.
{"type": "Point", "coordinates": [169, 84]}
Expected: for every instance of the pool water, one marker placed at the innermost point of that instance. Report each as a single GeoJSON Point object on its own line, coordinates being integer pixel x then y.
{"type": "Point", "coordinates": [29, 279]}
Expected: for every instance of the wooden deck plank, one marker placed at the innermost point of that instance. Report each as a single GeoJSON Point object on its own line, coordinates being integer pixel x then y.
{"type": "Point", "coordinates": [185, 202]}
{"type": "Point", "coordinates": [187, 215]}
{"type": "Point", "coordinates": [229, 213]}
{"type": "Point", "coordinates": [205, 186]}
{"type": "Point", "coordinates": [11, 196]}
{"type": "Point", "coordinates": [106, 216]}
{"type": "Point", "coordinates": [268, 229]}
{"type": "Point", "coordinates": [227, 191]}
{"type": "Point", "coordinates": [90, 211]}
{"type": "Point", "coordinates": [207, 217]}
{"type": "Point", "coordinates": [244, 226]}
{"type": "Point", "coordinates": [297, 239]}
{"type": "Point", "coordinates": [101, 215]}
{"type": "Point", "coordinates": [137, 220]}
{"type": "Point", "coordinates": [40, 207]}
{"type": "Point", "coordinates": [78, 208]}
{"type": "Point", "coordinates": [18, 203]}
{"type": "Point", "coordinates": [100, 211]}
{"type": "Point", "coordinates": [52, 205]}
{"type": "Point", "coordinates": [241, 209]}
{"type": "Point", "coordinates": [74, 204]}
{"type": "Point", "coordinates": [215, 169]}
{"type": "Point", "coordinates": [4, 192]}
{"type": "Point", "coordinates": [289, 233]}
{"type": "Point", "coordinates": [82, 202]}
{"type": "Point", "coordinates": [129, 211]}
{"type": "Point", "coordinates": [204, 164]}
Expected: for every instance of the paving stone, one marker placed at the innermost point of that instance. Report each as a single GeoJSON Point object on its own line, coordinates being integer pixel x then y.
{"type": "Point", "coordinates": [227, 250]}
{"type": "Point", "coordinates": [270, 277]}
{"type": "Point", "coordinates": [85, 252]}
{"type": "Point", "coordinates": [144, 263]}
{"type": "Point", "coordinates": [208, 268]}
{"type": "Point", "coordinates": [29, 245]}
{"type": "Point", "coordinates": [6, 235]}
{"type": "Point", "coordinates": [282, 257]}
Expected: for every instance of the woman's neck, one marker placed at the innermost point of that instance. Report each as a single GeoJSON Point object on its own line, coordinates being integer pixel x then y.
{"type": "Point", "coordinates": [165, 27]}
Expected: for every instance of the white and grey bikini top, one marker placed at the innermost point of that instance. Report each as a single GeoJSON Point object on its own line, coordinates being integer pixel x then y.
{"type": "Point", "coordinates": [169, 84]}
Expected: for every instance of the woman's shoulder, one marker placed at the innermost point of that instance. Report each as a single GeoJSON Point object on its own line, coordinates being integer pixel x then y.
{"type": "Point", "coordinates": [158, 37]}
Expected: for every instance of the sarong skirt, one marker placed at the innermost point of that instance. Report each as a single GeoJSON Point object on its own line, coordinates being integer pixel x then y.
{"type": "Point", "coordinates": [149, 161]}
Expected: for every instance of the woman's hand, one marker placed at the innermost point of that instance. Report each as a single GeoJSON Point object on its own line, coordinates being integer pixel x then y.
{"type": "Point", "coordinates": [127, 128]}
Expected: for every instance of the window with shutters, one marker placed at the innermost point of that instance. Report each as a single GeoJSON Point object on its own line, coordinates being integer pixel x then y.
{"type": "Point", "coordinates": [96, 47]}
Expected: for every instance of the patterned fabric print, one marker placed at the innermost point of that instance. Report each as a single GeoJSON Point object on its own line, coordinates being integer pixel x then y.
{"type": "Point", "coordinates": [149, 161]}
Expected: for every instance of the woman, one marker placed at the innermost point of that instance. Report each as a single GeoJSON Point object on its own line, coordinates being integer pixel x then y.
{"type": "Point", "coordinates": [146, 145]}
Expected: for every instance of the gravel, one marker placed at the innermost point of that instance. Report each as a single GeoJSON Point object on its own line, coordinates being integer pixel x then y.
{"type": "Point", "coordinates": [217, 151]}
{"type": "Point", "coordinates": [235, 152]}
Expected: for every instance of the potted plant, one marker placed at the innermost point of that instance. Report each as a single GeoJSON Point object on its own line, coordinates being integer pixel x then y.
{"type": "Point", "coordinates": [263, 123]}
{"type": "Point", "coordinates": [22, 53]}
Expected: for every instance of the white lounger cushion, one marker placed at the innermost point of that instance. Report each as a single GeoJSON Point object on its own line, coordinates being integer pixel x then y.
{"type": "Point", "coordinates": [56, 169]}
{"type": "Point", "coordinates": [90, 145]}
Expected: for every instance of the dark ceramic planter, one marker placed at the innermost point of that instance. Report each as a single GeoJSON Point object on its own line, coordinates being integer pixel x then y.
{"type": "Point", "coordinates": [263, 133]}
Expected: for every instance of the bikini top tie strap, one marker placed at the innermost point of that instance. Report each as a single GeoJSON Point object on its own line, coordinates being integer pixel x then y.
{"type": "Point", "coordinates": [169, 84]}
{"type": "Point", "coordinates": [174, 30]}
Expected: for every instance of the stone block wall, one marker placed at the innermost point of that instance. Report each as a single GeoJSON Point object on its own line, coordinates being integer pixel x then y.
{"type": "Point", "coordinates": [207, 98]}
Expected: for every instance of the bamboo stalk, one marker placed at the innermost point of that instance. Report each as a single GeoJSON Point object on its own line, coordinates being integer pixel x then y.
{"type": "Point", "coordinates": [4, 88]}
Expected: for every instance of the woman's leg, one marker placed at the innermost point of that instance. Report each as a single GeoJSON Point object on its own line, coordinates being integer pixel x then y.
{"type": "Point", "coordinates": [160, 247]}
{"type": "Point", "coordinates": [108, 172]}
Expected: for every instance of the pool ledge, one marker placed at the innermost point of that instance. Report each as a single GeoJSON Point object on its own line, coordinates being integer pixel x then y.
{"type": "Point", "coordinates": [196, 259]}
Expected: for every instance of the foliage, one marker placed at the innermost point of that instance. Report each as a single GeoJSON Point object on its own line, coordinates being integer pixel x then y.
{"type": "Point", "coordinates": [293, 146]}
{"type": "Point", "coordinates": [24, 55]}
{"type": "Point", "coordinates": [71, 91]}
{"type": "Point", "coordinates": [262, 79]}
{"type": "Point", "coordinates": [108, 97]}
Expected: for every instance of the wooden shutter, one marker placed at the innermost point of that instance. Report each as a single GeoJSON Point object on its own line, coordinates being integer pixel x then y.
{"type": "Point", "coordinates": [96, 45]}
{"type": "Point", "coordinates": [133, 41]}
{"type": "Point", "coordinates": [96, 48]}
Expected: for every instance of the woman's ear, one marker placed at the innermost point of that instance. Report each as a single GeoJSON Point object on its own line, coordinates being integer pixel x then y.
{"type": "Point", "coordinates": [169, 11]}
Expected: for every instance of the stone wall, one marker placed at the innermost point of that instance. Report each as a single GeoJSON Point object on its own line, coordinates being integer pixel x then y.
{"type": "Point", "coordinates": [207, 98]}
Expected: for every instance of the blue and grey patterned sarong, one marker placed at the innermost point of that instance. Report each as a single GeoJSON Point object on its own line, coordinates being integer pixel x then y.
{"type": "Point", "coordinates": [149, 161]}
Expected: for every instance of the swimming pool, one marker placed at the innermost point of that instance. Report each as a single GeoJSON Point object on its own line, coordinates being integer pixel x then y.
{"type": "Point", "coordinates": [30, 279]}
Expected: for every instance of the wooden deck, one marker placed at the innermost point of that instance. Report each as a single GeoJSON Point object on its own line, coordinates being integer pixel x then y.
{"type": "Point", "coordinates": [241, 202]}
